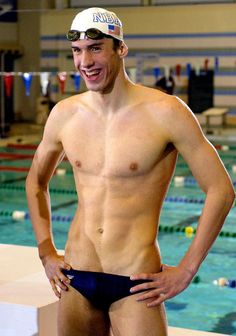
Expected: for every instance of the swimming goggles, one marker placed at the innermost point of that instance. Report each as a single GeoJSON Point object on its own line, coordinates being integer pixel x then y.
{"type": "Point", "coordinates": [92, 33]}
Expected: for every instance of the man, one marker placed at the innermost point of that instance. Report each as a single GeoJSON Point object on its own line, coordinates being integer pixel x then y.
{"type": "Point", "coordinates": [122, 141]}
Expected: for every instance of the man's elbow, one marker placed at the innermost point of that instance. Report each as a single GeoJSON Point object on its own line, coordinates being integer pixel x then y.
{"type": "Point", "coordinates": [229, 195]}
{"type": "Point", "coordinates": [35, 182]}
{"type": "Point", "coordinates": [27, 180]}
{"type": "Point", "coordinates": [31, 181]}
{"type": "Point", "coordinates": [232, 195]}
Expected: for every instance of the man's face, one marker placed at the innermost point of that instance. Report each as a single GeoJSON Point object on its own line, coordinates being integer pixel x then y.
{"type": "Point", "coordinates": [98, 63]}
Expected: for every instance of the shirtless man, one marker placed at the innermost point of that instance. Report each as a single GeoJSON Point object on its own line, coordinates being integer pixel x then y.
{"type": "Point", "coordinates": [121, 140]}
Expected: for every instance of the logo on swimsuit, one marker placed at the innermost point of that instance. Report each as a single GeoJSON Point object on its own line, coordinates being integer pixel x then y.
{"type": "Point", "coordinates": [70, 277]}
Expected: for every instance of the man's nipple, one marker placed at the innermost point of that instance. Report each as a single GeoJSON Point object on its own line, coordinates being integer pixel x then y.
{"type": "Point", "coordinates": [78, 163]}
{"type": "Point", "coordinates": [133, 166]}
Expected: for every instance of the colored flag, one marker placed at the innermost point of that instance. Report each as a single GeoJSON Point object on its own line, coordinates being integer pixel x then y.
{"type": "Point", "coordinates": [178, 69]}
{"type": "Point", "coordinates": [77, 81]}
{"type": "Point", "coordinates": [216, 63]}
{"type": "Point", "coordinates": [188, 69]}
{"type": "Point", "coordinates": [27, 79]}
{"type": "Point", "coordinates": [156, 72]}
{"type": "Point", "coordinates": [112, 29]}
{"type": "Point", "coordinates": [44, 81]}
{"type": "Point", "coordinates": [8, 81]}
{"type": "Point", "coordinates": [62, 80]}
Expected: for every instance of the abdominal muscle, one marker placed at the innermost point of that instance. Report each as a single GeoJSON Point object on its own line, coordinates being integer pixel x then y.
{"type": "Point", "coordinates": [115, 226]}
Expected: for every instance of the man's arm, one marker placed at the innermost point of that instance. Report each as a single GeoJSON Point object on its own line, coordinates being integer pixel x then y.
{"type": "Point", "coordinates": [213, 179]}
{"type": "Point", "coordinates": [48, 155]}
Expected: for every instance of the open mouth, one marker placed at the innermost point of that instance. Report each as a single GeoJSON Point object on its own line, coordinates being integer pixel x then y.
{"type": "Point", "coordinates": [91, 75]}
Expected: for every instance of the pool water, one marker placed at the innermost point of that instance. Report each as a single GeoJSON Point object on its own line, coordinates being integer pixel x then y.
{"type": "Point", "coordinates": [203, 305]}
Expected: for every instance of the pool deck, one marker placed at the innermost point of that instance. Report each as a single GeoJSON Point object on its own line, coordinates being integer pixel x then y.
{"type": "Point", "coordinates": [28, 305]}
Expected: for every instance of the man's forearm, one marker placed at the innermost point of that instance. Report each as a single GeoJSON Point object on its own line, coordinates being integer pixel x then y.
{"type": "Point", "coordinates": [216, 208]}
{"type": "Point", "coordinates": [40, 213]}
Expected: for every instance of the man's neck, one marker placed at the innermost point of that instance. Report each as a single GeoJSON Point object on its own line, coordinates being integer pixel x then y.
{"type": "Point", "coordinates": [110, 102]}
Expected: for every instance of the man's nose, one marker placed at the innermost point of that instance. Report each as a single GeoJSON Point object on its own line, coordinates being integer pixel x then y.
{"type": "Point", "coordinates": [86, 59]}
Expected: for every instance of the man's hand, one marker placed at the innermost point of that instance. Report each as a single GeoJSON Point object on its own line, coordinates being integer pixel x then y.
{"type": "Point", "coordinates": [162, 286]}
{"type": "Point", "coordinates": [53, 265]}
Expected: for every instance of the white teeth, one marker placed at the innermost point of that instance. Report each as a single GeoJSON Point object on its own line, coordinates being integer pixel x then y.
{"type": "Point", "coordinates": [92, 73]}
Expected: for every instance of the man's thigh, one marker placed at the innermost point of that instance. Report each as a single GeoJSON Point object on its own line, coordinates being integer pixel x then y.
{"type": "Point", "coordinates": [77, 317]}
{"type": "Point", "coordinates": [131, 318]}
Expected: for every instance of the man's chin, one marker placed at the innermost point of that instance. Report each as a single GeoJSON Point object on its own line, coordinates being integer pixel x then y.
{"type": "Point", "coordinates": [94, 87]}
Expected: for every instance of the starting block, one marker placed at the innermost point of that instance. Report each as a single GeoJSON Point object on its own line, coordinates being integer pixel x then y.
{"type": "Point", "coordinates": [214, 112]}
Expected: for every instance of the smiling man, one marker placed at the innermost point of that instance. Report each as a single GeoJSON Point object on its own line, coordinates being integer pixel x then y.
{"type": "Point", "coordinates": [121, 140]}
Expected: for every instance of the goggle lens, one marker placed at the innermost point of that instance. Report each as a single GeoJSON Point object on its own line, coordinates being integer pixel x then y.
{"type": "Point", "coordinates": [94, 34]}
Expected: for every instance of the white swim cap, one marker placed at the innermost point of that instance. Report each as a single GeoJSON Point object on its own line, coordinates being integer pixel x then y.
{"type": "Point", "coordinates": [98, 18]}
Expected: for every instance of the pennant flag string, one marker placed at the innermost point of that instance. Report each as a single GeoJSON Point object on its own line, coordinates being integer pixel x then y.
{"type": "Point", "coordinates": [36, 73]}
{"type": "Point", "coordinates": [44, 76]}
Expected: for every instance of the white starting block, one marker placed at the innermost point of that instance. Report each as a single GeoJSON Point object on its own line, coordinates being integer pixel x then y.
{"type": "Point", "coordinates": [189, 332]}
{"type": "Point", "coordinates": [28, 305]}
{"type": "Point", "coordinates": [213, 112]}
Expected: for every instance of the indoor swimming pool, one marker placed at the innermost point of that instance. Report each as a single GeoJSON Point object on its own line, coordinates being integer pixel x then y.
{"type": "Point", "coordinates": [203, 306]}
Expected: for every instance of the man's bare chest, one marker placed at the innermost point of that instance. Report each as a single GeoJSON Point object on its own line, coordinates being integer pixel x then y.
{"type": "Point", "coordinates": [118, 149]}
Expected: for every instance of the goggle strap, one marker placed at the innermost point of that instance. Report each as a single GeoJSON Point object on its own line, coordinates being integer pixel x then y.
{"type": "Point", "coordinates": [82, 36]}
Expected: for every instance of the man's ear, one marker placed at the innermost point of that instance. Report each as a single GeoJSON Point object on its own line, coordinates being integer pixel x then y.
{"type": "Point", "coordinates": [122, 50]}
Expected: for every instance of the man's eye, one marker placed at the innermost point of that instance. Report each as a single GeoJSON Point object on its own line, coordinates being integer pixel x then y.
{"type": "Point", "coordinates": [95, 49]}
{"type": "Point", "coordinates": [75, 50]}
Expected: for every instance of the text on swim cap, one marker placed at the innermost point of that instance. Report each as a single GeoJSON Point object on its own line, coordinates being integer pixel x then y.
{"type": "Point", "coordinates": [105, 18]}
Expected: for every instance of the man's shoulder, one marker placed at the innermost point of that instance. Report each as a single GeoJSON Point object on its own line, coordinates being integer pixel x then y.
{"type": "Point", "coordinates": [71, 101]}
{"type": "Point", "coordinates": [153, 94]}
{"type": "Point", "coordinates": [157, 99]}
{"type": "Point", "coordinates": [162, 107]}
{"type": "Point", "coordinates": [67, 106]}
